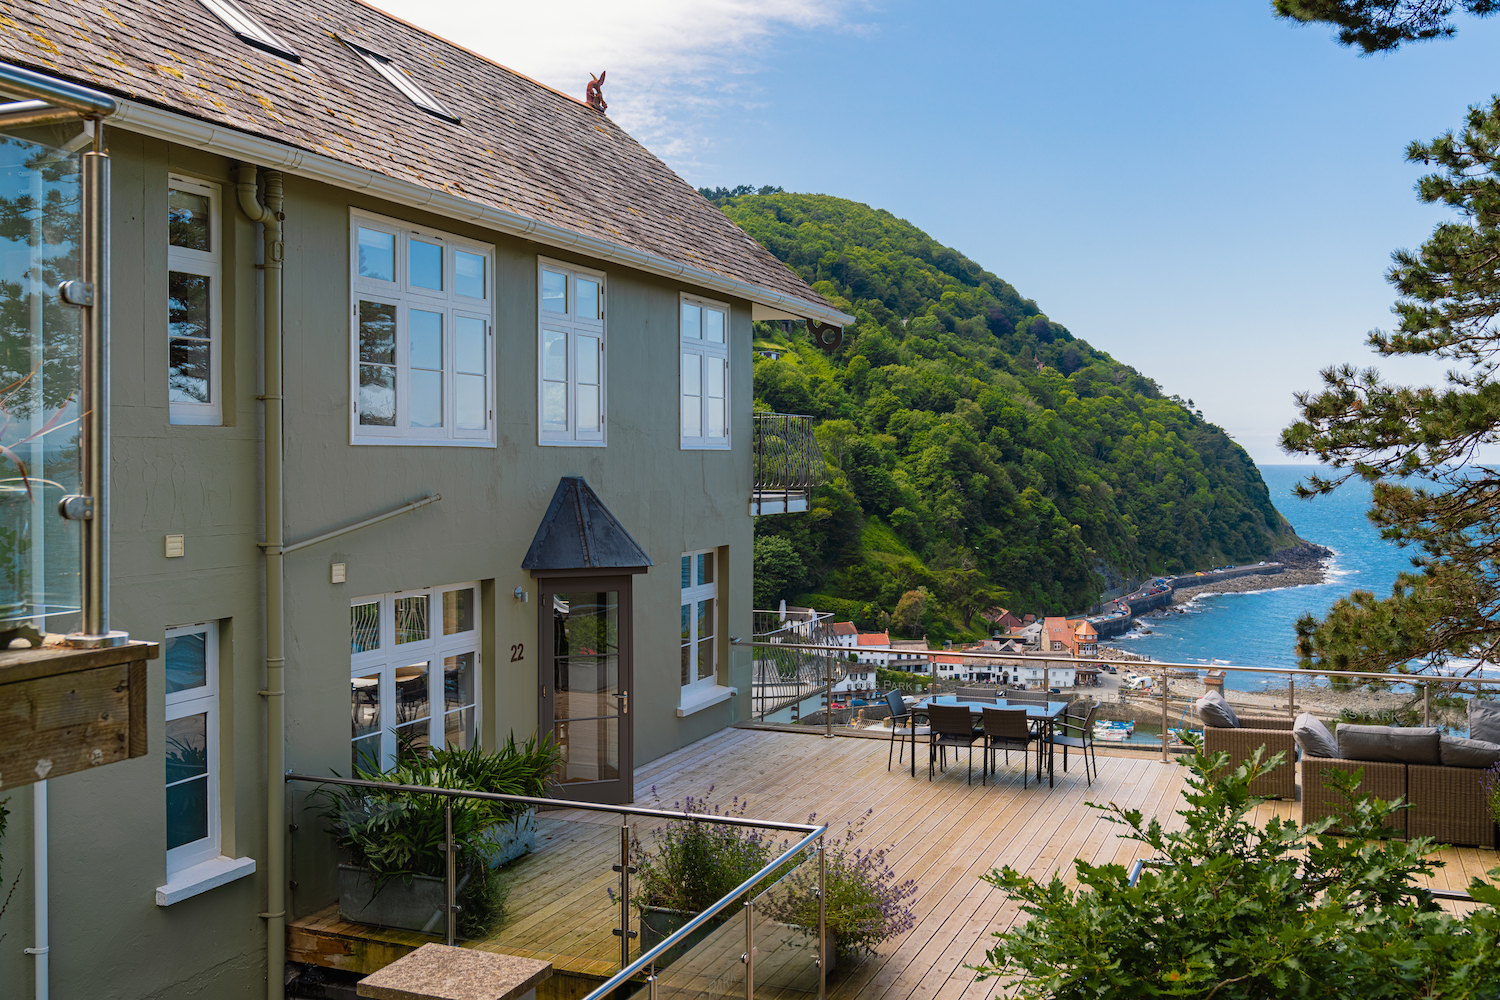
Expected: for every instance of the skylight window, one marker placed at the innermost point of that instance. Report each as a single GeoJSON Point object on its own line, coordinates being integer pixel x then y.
{"type": "Point", "coordinates": [398, 78]}
{"type": "Point", "coordinates": [249, 29]}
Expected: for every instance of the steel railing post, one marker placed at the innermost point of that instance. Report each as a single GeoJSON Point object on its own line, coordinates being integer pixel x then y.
{"type": "Point", "coordinates": [1165, 754]}
{"type": "Point", "coordinates": [625, 891]}
{"type": "Point", "coordinates": [1291, 695]}
{"type": "Point", "coordinates": [1426, 704]}
{"type": "Point", "coordinates": [749, 958]}
{"type": "Point", "coordinates": [449, 892]}
{"type": "Point", "coordinates": [823, 917]}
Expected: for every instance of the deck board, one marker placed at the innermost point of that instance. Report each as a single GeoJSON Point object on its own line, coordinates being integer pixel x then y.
{"type": "Point", "coordinates": [943, 833]}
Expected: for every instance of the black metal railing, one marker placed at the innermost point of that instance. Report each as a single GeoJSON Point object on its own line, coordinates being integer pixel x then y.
{"type": "Point", "coordinates": [784, 678]}
{"type": "Point", "coordinates": [788, 463]}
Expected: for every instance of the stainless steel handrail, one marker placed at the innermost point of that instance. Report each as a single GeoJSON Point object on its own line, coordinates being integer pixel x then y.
{"type": "Point", "coordinates": [29, 84]}
{"type": "Point", "coordinates": [1154, 665]}
{"type": "Point", "coordinates": [621, 977]}
{"type": "Point", "coordinates": [459, 793]}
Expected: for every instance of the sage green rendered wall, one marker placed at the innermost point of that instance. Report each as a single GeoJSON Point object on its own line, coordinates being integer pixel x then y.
{"type": "Point", "coordinates": [109, 939]}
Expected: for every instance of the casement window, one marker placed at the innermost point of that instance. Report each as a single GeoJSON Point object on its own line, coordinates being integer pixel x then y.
{"type": "Point", "coordinates": [422, 339]}
{"type": "Point", "coordinates": [570, 356]}
{"type": "Point", "coordinates": [414, 671]}
{"type": "Point", "coordinates": [700, 599]}
{"type": "Point", "coordinates": [192, 740]}
{"type": "Point", "coordinates": [705, 373]}
{"type": "Point", "coordinates": [195, 331]}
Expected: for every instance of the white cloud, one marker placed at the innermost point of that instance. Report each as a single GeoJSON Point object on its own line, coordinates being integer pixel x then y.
{"type": "Point", "coordinates": [671, 63]}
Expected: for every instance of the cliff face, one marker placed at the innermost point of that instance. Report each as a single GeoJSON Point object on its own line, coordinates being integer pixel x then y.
{"type": "Point", "coordinates": [979, 453]}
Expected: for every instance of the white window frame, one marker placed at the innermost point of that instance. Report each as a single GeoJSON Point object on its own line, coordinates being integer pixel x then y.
{"type": "Point", "coordinates": [401, 294]}
{"type": "Point", "coordinates": [575, 328]}
{"type": "Point", "coordinates": [208, 264]}
{"type": "Point", "coordinates": [200, 701]}
{"type": "Point", "coordinates": [388, 657]}
{"type": "Point", "coordinates": [701, 692]}
{"type": "Point", "coordinates": [695, 350]}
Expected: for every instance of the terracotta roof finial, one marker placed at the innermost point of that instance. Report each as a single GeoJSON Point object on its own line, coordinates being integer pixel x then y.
{"type": "Point", "coordinates": [595, 92]}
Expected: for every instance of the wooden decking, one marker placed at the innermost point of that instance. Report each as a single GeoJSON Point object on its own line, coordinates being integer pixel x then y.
{"type": "Point", "coordinates": [944, 834]}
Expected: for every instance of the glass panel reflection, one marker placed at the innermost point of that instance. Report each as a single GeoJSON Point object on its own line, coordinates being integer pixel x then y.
{"type": "Point", "coordinates": [426, 265]}
{"type": "Point", "coordinates": [585, 645]}
{"type": "Point", "coordinates": [187, 661]}
{"type": "Point", "coordinates": [364, 627]}
{"type": "Point", "coordinates": [377, 255]}
{"type": "Point", "coordinates": [458, 611]}
{"type": "Point", "coordinates": [554, 292]}
{"type": "Point", "coordinates": [188, 223]}
{"type": "Point", "coordinates": [469, 273]}
{"type": "Point", "coordinates": [411, 619]}
{"type": "Point", "coordinates": [588, 299]}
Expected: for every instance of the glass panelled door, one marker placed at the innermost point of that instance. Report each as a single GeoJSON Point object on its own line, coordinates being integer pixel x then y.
{"type": "Point", "coordinates": [586, 685]}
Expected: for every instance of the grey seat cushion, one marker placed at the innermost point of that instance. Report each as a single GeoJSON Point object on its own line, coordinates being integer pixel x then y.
{"type": "Point", "coordinates": [1456, 751]}
{"type": "Point", "coordinates": [1313, 738]}
{"type": "Point", "coordinates": [1216, 712]}
{"type": "Point", "coordinates": [1390, 744]}
{"type": "Point", "coordinates": [1484, 720]}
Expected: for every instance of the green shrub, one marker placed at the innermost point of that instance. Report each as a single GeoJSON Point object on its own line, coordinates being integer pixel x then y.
{"type": "Point", "coordinates": [399, 835]}
{"type": "Point", "coordinates": [695, 863]}
{"type": "Point", "coordinates": [1238, 912]}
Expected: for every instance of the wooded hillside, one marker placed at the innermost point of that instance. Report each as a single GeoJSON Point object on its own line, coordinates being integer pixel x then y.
{"type": "Point", "coordinates": [978, 453]}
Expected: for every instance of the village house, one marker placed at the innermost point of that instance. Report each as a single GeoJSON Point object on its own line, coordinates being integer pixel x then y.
{"type": "Point", "coordinates": [366, 279]}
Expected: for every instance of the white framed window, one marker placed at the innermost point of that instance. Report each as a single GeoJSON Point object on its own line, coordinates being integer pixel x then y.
{"type": "Point", "coordinates": [414, 671]}
{"type": "Point", "coordinates": [192, 745]}
{"type": "Point", "coordinates": [195, 329]}
{"type": "Point", "coordinates": [704, 361]}
{"type": "Point", "coordinates": [422, 342]}
{"type": "Point", "coordinates": [700, 599]}
{"type": "Point", "coordinates": [570, 355]}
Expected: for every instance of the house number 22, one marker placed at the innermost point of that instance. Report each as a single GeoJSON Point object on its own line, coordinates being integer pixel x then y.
{"type": "Point", "coordinates": [518, 652]}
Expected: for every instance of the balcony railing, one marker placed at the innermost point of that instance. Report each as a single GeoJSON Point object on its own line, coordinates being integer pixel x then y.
{"type": "Point", "coordinates": [788, 463]}
{"type": "Point", "coordinates": [790, 679]}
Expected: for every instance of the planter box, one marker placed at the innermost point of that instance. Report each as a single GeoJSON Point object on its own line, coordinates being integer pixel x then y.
{"type": "Point", "coordinates": [658, 923]}
{"type": "Point", "coordinates": [512, 840]}
{"type": "Point", "coordinates": [414, 907]}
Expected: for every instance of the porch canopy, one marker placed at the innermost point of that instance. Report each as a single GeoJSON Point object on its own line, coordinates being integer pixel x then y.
{"type": "Point", "coordinates": [579, 532]}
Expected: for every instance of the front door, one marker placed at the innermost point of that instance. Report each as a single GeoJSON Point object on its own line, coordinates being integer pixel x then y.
{"type": "Point", "coordinates": [585, 680]}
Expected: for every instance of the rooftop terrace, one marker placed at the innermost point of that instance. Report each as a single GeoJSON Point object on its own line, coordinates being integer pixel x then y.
{"type": "Point", "coordinates": [944, 834]}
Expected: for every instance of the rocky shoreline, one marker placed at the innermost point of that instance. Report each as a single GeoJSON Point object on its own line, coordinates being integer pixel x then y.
{"type": "Point", "coordinates": [1304, 565]}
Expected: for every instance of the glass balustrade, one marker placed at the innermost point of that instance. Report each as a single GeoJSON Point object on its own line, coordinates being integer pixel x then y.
{"type": "Point", "coordinates": [40, 207]}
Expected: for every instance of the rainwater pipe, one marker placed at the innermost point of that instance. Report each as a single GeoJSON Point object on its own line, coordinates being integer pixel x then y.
{"type": "Point", "coordinates": [270, 215]}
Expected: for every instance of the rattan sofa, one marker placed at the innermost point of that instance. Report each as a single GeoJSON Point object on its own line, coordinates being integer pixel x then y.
{"type": "Point", "coordinates": [1448, 804]}
{"type": "Point", "coordinates": [1274, 732]}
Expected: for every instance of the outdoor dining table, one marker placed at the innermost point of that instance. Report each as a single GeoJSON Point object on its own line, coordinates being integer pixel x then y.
{"type": "Point", "coordinates": [1044, 715]}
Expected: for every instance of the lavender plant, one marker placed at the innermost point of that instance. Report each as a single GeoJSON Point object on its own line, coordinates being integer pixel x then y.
{"type": "Point", "coordinates": [695, 862]}
{"type": "Point", "coordinates": [1491, 783]}
{"type": "Point", "coordinates": [866, 903]}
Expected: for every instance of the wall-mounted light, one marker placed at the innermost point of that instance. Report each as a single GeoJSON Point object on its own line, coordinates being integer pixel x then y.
{"type": "Point", "coordinates": [522, 596]}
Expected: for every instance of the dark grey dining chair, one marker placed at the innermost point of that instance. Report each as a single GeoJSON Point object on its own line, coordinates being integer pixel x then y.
{"type": "Point", "coordinates": [1008, 729]}
{"type": "Point", "coordinates": [1081, 738]}
{"type": "Point", "coordinates": [978, 694]}
{"type": "Point", "coordinates": [904, 724]}
{"type": "Point", "coordinates": [952, 726]}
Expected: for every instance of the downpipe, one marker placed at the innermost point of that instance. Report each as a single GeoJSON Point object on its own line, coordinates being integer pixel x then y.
{"type": "Point", "coordinates": [271, 216]}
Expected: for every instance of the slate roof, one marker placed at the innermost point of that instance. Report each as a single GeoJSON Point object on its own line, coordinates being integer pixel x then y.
{"type": "Point", "coordinates": [521, 147]}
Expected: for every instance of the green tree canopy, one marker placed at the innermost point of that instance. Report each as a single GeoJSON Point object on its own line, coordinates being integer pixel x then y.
{"type": "Point", "coordinates": [1422, 446]}
{"type": "Point", "coordinates": [1383, 25]}
{"type": "Point", "coordinates": [975, 447]}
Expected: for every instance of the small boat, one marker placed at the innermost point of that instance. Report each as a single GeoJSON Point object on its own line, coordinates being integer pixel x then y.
{"type": "Point", "coordinates": [1114, 730]}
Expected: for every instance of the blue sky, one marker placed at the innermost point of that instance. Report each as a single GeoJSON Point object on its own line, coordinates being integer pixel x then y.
{"type": "Point", "coordinates": [1208, 193]}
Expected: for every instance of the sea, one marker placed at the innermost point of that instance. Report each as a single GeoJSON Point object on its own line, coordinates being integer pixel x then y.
{"type": "Point", "coordinates": [1258, 627]}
